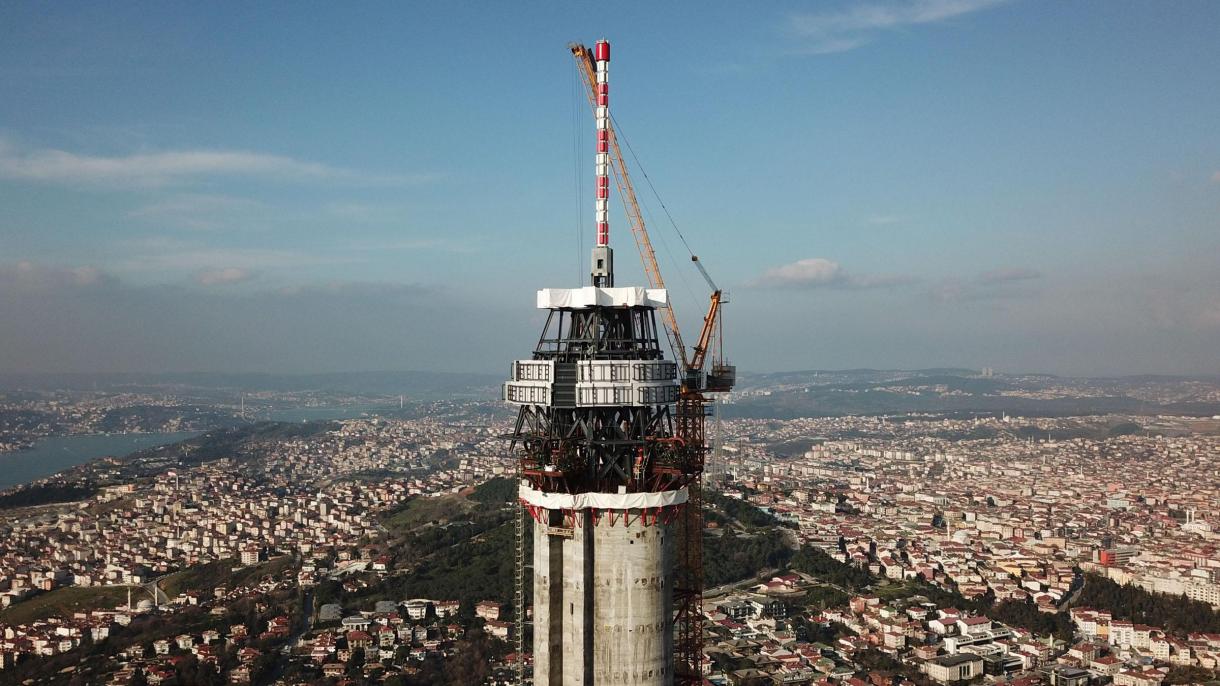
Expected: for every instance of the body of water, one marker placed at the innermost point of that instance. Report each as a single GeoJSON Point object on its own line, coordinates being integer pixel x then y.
{"type": "Point", "coordinates": [314, 414]}
{"type": "Point", "coordinates": [52, 455]}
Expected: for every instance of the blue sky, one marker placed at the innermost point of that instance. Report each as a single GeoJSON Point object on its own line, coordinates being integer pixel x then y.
{"type": "Point", "coordinates": [1027, 185]}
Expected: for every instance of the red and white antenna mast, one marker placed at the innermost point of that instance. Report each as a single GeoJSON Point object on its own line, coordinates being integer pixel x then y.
{"type": "Point", "coordinates": [603, 256]}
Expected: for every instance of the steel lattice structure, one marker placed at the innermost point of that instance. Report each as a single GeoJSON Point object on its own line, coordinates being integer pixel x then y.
{"type": "Point", "coordinates": [610, 450]}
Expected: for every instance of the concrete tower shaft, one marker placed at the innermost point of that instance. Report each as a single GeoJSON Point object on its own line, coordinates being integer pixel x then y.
{"type": "Point", "coordinates": [603, 596]}
{"type": "Point", "coordinates": [602, 476]}
{"type": "Point", "coordinates": [604, 486]}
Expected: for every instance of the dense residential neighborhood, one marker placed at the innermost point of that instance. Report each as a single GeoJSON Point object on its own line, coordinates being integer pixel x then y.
{"type": "Point", "coordinates": [877, 550]}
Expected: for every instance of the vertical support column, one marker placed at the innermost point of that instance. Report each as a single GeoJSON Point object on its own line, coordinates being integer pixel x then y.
{"type": "Point", "coordinates": [549, 653]}
{"type": "Point", "coordinates": [576, 608]}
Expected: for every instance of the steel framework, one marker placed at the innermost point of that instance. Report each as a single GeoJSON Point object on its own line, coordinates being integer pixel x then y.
{"type": "Point", "coordinates": [566, 446]}
{"type": "Point", "coordinates": [569, 445]}
{"type": "Point", "coordinates": [691, 414]}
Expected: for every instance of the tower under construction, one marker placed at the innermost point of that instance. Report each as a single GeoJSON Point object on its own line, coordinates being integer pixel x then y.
{"type": "Point", "coordinates": [609, 443]}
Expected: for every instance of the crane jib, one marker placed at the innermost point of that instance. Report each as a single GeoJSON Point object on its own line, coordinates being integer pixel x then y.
{"type": "Point", "coordinates": [594, 78]}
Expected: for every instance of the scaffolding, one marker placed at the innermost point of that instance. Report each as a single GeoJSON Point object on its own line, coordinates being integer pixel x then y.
{"type": "Point", "coordinates": [519, 575]}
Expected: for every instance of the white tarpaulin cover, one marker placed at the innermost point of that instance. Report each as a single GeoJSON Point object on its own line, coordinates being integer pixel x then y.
{"type": "Point", "coordinates": [629, 296]}
{"type": "Point", "coordinates": [601, 501]}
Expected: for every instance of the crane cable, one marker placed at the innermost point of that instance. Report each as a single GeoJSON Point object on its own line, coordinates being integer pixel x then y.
{"type": "Point", "coordinates": [619, 132]}
{"type": "Point", "coordinates": [669, 255]}
{"type": "Point", "coordinates": [578, 159]}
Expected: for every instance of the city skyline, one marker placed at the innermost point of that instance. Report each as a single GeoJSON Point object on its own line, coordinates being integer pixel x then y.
{"type": "Point", "coordinates": [1020, 185]}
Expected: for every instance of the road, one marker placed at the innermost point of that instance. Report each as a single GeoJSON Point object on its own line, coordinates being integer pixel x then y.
{"type": "Point", "coordinates": [293, 641]}
{"type": "Point", "coordinates": [1071, 597]}
{"type": "Point", "coordinates": [721, 590]}
{"type": "Point", "coordinates": [307, 611]}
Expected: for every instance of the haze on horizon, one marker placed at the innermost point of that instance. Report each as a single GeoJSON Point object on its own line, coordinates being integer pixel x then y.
{"type": "Point", "coordinates": [1020, 184]}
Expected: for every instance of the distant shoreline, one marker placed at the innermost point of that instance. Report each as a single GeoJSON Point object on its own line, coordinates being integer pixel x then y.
{"type": "Point", "coordinates": [40, 439]}
{"type": "Point", "coordinates": [53, 455]}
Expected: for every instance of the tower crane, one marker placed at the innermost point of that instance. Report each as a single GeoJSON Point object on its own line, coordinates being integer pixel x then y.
{"type": "Point", "coordinates": [691, 408]}
{"type": "Point", "coordinates": [721, 377]}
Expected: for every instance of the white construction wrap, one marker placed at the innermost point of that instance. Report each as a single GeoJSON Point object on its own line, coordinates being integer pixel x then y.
{"type": "Point", "coordinates": [589, 296]}
{"type": "Point", "coordinates": [601, 501]}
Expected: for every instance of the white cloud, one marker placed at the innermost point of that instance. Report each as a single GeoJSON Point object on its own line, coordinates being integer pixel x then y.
{"type": "Point", "coordinates": [344, 289]}
{"type": "Point", "coordinates": [196, 211]}
{"type": "Point", "coordinates": [408, 244]}
{"type": "Point", "coordinates": [222, 277]}
{"type": "Point", "coordinates": [815, 271]}
{"type": "Point", "coordinates": [360, 211]}
{"type": "Point", "coordinates": [829, 45]}
{"type": "Point", "coordinates": [25, 276]}
{"type": "Point", "coordinates": [168, 167]}
{"type": "Point", "coordinates": [188, 203]}
{"type": "Point", "coordinates": [852, 27]}
{"type": "Point", "coordinates": [819, 272]}
{"type": "Point", "coordinates": [1008, 275]}
{"type": "Point", "coordinates": [164, 254]}
{"type": "Point", "coordinates": [995, 284]}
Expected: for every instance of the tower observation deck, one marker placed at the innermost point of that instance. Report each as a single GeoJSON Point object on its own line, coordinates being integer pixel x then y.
{"type": "Point", "coordinates": [602, 484]}
{"type": "Point", "coordinates": [603, 478]}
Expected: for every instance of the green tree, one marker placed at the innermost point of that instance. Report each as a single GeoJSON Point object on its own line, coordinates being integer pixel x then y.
{"type": "Point", "coordinates": [818, 563]}
{"type": "Point", "coordinates": [356, 663]}
{"type": "Point", "coordinates": [471, 664]}
{"type": "Point", "coordinates": [1177, 614]}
